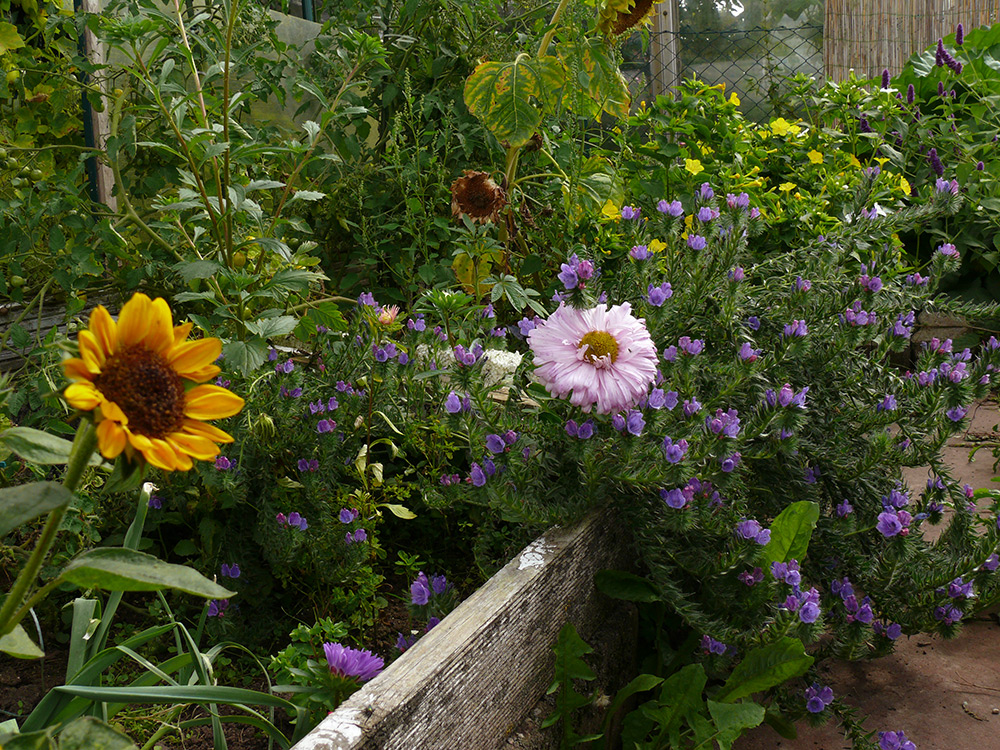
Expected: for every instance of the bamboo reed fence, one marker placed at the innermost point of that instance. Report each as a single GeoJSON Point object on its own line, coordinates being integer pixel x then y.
{"type": "Point", "coordinates": [873, 35]}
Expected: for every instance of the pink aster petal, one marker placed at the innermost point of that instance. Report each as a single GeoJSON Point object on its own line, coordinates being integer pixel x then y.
{"type": "Point", "coordinates": [606, 386]}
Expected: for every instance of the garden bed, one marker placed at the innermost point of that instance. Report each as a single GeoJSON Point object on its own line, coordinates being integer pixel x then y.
{"type": "Point", "coordinates": [474, 678]}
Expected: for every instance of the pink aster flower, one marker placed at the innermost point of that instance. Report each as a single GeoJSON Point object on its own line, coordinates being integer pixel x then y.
{"type": "Point", "coordinates": [605, 358]}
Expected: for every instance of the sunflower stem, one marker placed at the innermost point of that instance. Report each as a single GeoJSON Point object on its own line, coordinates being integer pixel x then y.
{"type": "Point", "coordinates": [83, 447]}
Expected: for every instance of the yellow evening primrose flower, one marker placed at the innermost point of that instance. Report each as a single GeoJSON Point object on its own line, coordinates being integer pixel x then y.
{"type": "Point", "coordinates": [610, 211]}
{"type": "Point", "coordinates": [854, 161]}
{"type": "Point", "coordinates": [133, 376]}
{"type": "Point", "coordinates": [787, 187]}
{"type": "Point", "coordinates": [693, 166]}
{"type": "Point", "coordinates": [904, 185]}
{"type": "Point", "coordinates": [656, 246]}
{"type": "Point", "coordinates": [881, 160]}
{"type": "Point", "coordinates": [780, 126]}
{"type": "Point", "coordinates": [815, 157]}
{"type": "Point", "coordinates": [734, 100]}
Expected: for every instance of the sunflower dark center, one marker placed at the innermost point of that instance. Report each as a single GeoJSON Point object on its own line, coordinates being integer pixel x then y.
{"type": "Point", "coordinates": [146, 388]}
{"type": "Point", "coordinates": [599, 344]}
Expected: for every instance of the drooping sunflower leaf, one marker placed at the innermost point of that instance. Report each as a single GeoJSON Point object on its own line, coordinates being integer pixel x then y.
{"type": "Point", "coordinates": [511, 97]}
{"type": "Point", "coordinates": [18, 505]}
{"type": "Point", "coordinates": [18, 644]}
{"type": "Point", "coordinates": [118, 569]}
{"type": "Point", "coordinates": [602, 86]}
{"type": "Point", "coordinates": [40, 447]}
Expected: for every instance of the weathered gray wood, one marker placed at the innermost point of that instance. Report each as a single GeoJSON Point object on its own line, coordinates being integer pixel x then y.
{"type": "Point", "coordinates": [37, 324]}
{"type": "Point", "coordinates": [665, 60]}
{"type": "Point", "coordinates": [470, 681]}
{"type": "Point", "coordinates": [97, 54]}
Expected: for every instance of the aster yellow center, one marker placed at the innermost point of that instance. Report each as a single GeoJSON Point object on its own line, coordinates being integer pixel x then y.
{"type": "Point", "coordinates": [599, 344]}
{"type": "Point", "coordinates": [146, 388]}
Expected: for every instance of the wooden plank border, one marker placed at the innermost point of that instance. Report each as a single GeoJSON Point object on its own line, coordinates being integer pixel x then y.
{"type": "Point", "coordinates": [471, 681]}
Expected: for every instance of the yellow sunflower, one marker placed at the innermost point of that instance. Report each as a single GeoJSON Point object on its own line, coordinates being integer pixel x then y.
{"type": "Point", "coordinates": [134, 375]}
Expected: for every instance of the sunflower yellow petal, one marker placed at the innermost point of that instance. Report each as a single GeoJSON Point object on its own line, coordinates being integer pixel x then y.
{"type": "Point", "coordinates": [111, 438]}
{"type": "Point", "coordinates": [112, 411]}
{"type": "Point", "coordinates": [133, 322]}
{"type": "Point", "coordinates": [211, 402]}
{"type": "Point", "coordinates": [192, 356]}
{"type": "Point", "coordinates": [156, 452]}
{"type": "Point", "coordinates": [90, 351]}
{"type": "Point", "coordinates": [160, 334]}
{"type": "Point", "coordinates": [75, 368]}
{"type": "Point", "coordinates": [181, 332]}
{"type": "Point", "coordinates": [201, 429]}
{"type": "Point", "coordinates": [83, 396]}
{"type": "Point", "coordinates": [202, 374]}
{"type": "Point", "coordinates": [197, 447]}
{"type": "Point", "coordinates": [104, 329]}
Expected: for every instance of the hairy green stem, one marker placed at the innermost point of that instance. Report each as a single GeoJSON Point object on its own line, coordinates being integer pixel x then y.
{"type": "Point", "coordinates": [83, 448]}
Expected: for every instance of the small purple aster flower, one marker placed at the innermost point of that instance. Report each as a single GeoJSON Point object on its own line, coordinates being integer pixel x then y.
{"type": "Point", "coordinates": [697, 242]}
{"type": "Point", "coordinates": [657, 295]}
{"type": "Point", "coordinates": [677, 498]}
{"type": "Point", "coordinates": [634, 423]}
{"type": "Point", "coordinates": [956, 413]}
{"type": "Point", "coordinates": [894, 741]}
{"type": "Point", "coordinates": [818, 698]}
{"type": "Point", "coordinates": [673, 208]}
{"type": "Point", "coordinates": [349, 662]}
{"type": "Point", "coordinates": [674, 452]}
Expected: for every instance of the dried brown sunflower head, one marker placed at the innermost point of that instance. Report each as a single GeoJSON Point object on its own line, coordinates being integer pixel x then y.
{"type": "Point", "coordinates": [618, 16]}
{"type": "Point", "coordinates": [477, 196]}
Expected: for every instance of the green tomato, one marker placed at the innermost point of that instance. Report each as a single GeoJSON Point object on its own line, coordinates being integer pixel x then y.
{"type": "Point", "coordinates": [17, 281]}
{"type": "Point", "coordinates": [36, 175]}
{"type": "Point", "coordinates": [3, 154]}
{"type": "Point", "coordinates": [13, 75]}
{"type": "Point", "coordinates": [12, 163]}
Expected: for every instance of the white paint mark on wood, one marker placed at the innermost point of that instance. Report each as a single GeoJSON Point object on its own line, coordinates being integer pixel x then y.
{"type": "Point", "coordinates": [534, 554]}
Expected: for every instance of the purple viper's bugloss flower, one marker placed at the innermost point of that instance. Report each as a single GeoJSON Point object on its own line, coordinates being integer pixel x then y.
{"type": "Point", "coordinates": [677, 498]}
{"type": "Point", "coordinates": [674, 452]}
{"type": "Point", "coordinates": [894, 741]}
{"type": "Point", "coordinates": [712, 646]}
{"type": "Point", "coordinates": [657, 295]}
{"type": "Point", "coordinates": [640, 252]}
{"type": "Point", "coordinates": [956, 413]}
{"type": "Point", "coordinates": [935, 162]}
{"type": "Point", "coordinates": [697, 242]}
{"type": "Point", "coordinates": [630, 213]}
{"type": "Point", "coordinates": [420, 590]}
{"type": "Point", "coordinates": [818, 698]}
{"type": "Point", "coordinates": [673, 208]}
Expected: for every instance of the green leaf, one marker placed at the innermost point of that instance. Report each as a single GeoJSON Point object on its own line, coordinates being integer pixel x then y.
{"type": "Point", "coordinates": [765, 667]}
{"type": "Point", "coordinates": [306, 195]}
{"type": "Point", "coordinates": [197, 269]}
{"type": "Point", "coordinates": [18, 644]}
{"type": "Point", "coordinates": [18, 505]}
{"type": "Point", "coordinates": [9, 38]}
{"type": "Point", "coordinates": [176, 694]}
{"type": "Point", "coordinates": [400, 511]}
{"type": "Point", "coordinates": [732, 718]}
{"type": "Point", "coordinates": [621, 585]}
{"type": "Point", "coordinates": [117, 569]}
{"type": "Point", "coordinates": [680, 697]}
{"type": "Point", "coordinates": [503, 95]}
{"type": "Point", "coordinates": [245, 356]}
{"type": "Point", "coordinates": [603, 88]}
{"type": "Point", "coordinates": [790, 533]}
{"type": "Point", "coordinates": [31, 741]}
{"type": "Point", "coordinates": [90, 733]}
{"type": "Point", "coordinates": [40, 447]}
{"type": "Point", "coordinates": [781, 725]}
{"type": "Point", "coordinates": [271, 327]}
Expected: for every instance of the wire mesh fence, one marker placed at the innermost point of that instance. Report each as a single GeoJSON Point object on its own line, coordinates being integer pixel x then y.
{"type": "Point", "coordinates": [751, 62]}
